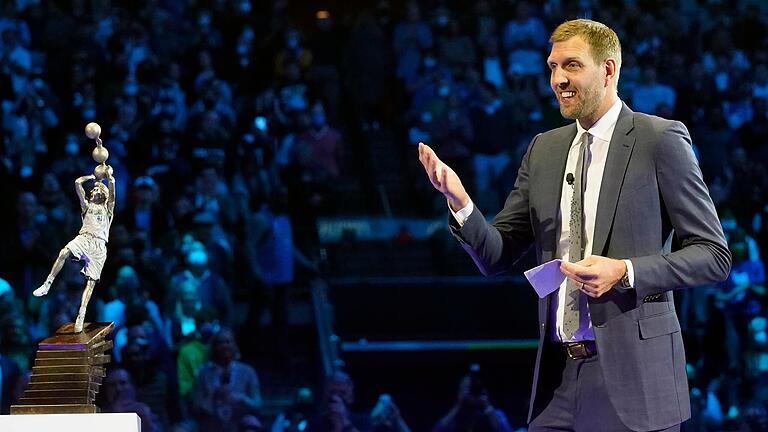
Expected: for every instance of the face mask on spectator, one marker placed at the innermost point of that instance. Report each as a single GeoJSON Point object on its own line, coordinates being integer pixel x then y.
{"type": "Point", "coordinates": [444, 91]}
{"type": "Point", "coordinates": [429, 62]}
{"type": "Point", "coordinates": [292, 42]}
{"type": "Point", "coordinates": [442, 20]}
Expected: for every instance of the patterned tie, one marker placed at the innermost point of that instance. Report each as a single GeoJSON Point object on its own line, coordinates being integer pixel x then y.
{"type": "Point", "coordinates": [573, 295]}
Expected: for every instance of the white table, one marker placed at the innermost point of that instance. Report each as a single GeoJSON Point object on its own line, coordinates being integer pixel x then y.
{"type": "Point", "coordinates": [122, 422]}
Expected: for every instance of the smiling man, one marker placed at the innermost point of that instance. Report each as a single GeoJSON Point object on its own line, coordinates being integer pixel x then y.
{"type": "Point", "coordinates": [609, 195]}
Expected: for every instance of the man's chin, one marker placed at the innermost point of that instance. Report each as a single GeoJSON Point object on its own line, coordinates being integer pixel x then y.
{"type": "Point", "coordinates": [569, 113]}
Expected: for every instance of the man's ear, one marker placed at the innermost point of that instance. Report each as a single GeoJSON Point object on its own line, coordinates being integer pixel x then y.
{"type": "Point", "coordinates": [611, 69]}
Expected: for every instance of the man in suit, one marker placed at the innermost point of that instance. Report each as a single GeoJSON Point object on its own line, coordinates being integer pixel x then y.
{"type": "Point", "coordinates": [619, 197]}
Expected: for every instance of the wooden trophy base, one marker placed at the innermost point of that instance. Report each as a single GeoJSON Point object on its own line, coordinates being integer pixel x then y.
{"type": "Point", "coordinates": [68, 371]}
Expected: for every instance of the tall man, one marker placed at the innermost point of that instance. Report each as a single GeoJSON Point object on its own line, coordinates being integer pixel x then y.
{"type": "Point", "coordinates": [610, 195]}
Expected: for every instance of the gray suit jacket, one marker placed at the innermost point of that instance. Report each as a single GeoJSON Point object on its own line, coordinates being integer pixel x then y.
{"type": "Point", "coordinates": [652, 193]}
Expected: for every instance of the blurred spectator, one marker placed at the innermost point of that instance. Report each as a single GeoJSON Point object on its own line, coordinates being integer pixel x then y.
{"type": "Point", "coordinates": [119, 396]}
{"type": "Point", "coordinates": [152, 371]}
{"type": "Point", "coordinates": [319, 150]}
{"type": "Point", "coordinates": [385, 416]}
{"type": "Point", "coordinates": [226, 390]}
{"type": "Point", "coordinates": [15, 341]}
{"type": "Point", "coordinates": [336, 414]}
{"type": "Point", "coordinates": [493, 123]}
{"type": "Point", "coordinates": [473, 409]}
{"type": "Point", "coordinates": [57, 207]}
{"type": "Point", "coordinates": [72, 164]}
{"type": "Point", "coordinates": [526, 29]}
{"type": "Point", "coordinates": [10, 374]}
{"type": "Point", "coordinates": [324, 72]}
{"type": "Point", "coordinates": [296, 417]}
{"type": "Point", "coordinates": [367, 70]}
{"type": "Point", "coordinates": [292, 53]}
{"type": "Point", "coordinates": [650, 96]}
{"type": "Point", "coordinates": [194, 352]}
{"type": "Point", "coordinates": [145, 212]}
{"type": "Point", "coordinates": [411, 38]}
{"type": "Point", "coordinates": [492, 66]}
{"type": "Point", "coordinates": [739, 298]}
{"type": "Point", "coordinates": [28, 248]}
{"type": "Point", "coordinates": [128, 295]}
{"type": "Point", "coordinates": [212, 290]}
{"type": "Point", "coordinates": [457, 51]}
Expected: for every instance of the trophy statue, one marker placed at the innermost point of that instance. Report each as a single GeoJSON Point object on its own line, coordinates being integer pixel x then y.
{"type": "Point", "coordinates": [69, 365]}
{"type": "Point", "coordinates": [90, 245]}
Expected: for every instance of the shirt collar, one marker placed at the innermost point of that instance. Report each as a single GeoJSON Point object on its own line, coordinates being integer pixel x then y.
{"type": "Point", "coordinates": [603, 128]}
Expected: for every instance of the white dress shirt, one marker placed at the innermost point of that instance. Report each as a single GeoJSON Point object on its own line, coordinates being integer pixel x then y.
{"type": "Point", "coordinates": [601, 131]}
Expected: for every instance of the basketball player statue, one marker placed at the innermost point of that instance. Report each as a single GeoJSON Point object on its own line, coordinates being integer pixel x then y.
{"type": "Point", "coordinates": [97, 211]}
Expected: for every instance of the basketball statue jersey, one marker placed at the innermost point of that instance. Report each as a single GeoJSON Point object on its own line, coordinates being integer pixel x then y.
{"type": "Point", "coordinates": [96, 221]}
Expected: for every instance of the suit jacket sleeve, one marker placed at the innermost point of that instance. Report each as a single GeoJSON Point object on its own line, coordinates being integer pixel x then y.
{"type": "Point", "coordinates": [703, 256]}
{"type": "Point", "coordinates": [496, 246]}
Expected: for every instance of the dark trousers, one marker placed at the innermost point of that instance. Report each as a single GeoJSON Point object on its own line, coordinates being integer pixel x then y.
{"type": "Point", "coordinates": [572, 397]}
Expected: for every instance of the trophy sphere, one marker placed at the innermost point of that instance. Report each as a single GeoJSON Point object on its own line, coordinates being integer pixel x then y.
{"type": "Point", "coordinates": [92, 130]}
{"type": "Point", "coordinates": [101, 171]}
{"type": "Point", "coordinates": [100, 154]}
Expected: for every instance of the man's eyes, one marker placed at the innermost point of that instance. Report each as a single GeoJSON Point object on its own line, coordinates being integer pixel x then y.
{"type": "Point", "coordinates": [571, 65]}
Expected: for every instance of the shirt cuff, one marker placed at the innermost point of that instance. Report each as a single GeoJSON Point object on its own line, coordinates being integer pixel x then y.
{"type": "Point", "coordinates": [630, 273]}
{"type": "Point", "coordinates": [462, 215]}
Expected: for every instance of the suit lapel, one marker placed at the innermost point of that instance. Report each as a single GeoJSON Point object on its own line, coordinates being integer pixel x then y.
{"type": "Point", "coordinates": [619, 151]}
{"type": "Point", "coordinates": [553, 177]}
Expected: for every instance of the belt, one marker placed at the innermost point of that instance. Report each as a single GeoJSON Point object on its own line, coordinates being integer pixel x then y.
{"type": "Point", "coordinates": [580, 350]}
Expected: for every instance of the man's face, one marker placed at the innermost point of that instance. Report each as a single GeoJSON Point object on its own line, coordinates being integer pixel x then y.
{"type": "Point", "coordinates": [578, 82]}
{"type": "Point", "coordinates": [225, 347]}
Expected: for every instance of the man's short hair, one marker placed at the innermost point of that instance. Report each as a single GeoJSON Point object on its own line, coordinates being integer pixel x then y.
{"type": "Point", "coordinates": [603, 42]}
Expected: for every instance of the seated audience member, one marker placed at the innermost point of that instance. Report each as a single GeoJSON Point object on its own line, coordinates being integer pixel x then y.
{"type": "Point", "coordinates": [335, 414]}
{"type": "Point", "coordinates": [9, 373]}
{"type": "Point", "coordinates": [296, 417]}
{"type": "Point", "coordinates": [227, 390]}
{"type": "Point", "coordinates": [473, 410]}
{"type": "Point", "coordinates": [153, 372]}
{"type": "Point", "coordinates": [385, 416]}
{"type": "Point", "coordinates": [119, 396]}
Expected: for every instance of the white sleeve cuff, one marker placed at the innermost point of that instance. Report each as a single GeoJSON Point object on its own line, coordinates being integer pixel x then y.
{"type": "Point", "coordinates": [630, 273]}
{"type": "Point", "coordinates": [462, 215]}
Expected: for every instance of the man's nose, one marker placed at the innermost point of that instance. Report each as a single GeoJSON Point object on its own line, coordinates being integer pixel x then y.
{"type": "Point", "coordinates": [559, 79]}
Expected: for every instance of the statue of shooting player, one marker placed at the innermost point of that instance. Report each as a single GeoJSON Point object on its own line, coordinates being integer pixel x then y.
{"type": "Point", "coordinates": [90, 245]}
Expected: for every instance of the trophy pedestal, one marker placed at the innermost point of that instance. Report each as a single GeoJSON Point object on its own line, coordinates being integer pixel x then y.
{"type": "Point", "coordinates": [121, 422]}
{"type": "Point", "coordinates": [67, 372]}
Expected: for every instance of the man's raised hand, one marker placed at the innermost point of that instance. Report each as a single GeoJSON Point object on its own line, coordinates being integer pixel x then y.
{"type": "Point", "coordinates": [443, 178]}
